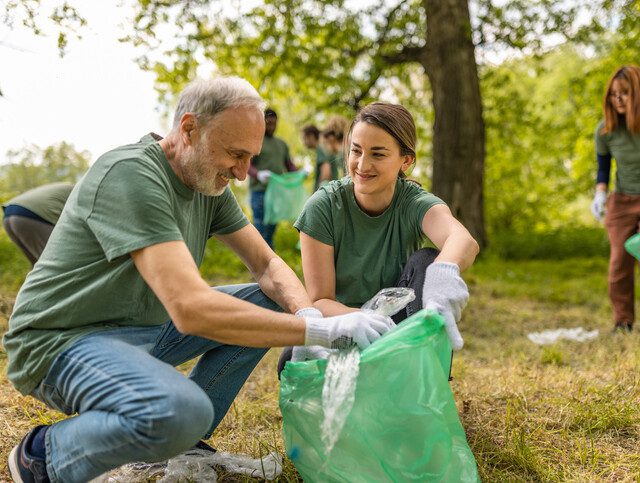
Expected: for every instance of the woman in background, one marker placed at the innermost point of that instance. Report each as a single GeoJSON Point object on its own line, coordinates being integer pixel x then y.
{"type": "Point", "coordinates": [618, 137]}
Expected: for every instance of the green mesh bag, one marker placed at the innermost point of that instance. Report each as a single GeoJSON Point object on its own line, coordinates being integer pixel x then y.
{"type": "Point", "coordinates": [633, 245]}
{"type": "Point", "coordinates": [284, 197]}
{"type": "Point", "coordinates": [403, 425]}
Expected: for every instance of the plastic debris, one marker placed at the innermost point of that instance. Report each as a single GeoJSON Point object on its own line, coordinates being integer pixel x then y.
{"type": "Point", "coordinates": [577, 334]}
{"type": "Point", "coordinates": [196, 465]}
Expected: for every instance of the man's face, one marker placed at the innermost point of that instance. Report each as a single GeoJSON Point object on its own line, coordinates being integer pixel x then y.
{"type": "Point", "coordinates": [271, 122]}
{"type": "Point", "coordinates": [222, 150]}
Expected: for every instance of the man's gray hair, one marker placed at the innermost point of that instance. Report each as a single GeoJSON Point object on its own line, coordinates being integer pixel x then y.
{"type": "Point", "coordinates": [207, 97]}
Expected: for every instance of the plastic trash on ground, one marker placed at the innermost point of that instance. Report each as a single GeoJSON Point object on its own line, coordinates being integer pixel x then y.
{"type": "Point", "coordinates": [632, 245]}
{"type": "Point", "coordinates": [403, 425]}
{"type": "Point", "coordinates": [196, 465]}
{"type": "Point", "coordinates": [284, 197]}
{"type": "Point", "coordinates": [577, 334]}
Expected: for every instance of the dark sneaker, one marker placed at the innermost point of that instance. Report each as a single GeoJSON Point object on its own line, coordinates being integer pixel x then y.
{"type": "Point", "coordinates": [23, 466]}
{"type": "Point", "coordinates": [622, 327]}
{"type": "Point", "coordinates": [204, 447]}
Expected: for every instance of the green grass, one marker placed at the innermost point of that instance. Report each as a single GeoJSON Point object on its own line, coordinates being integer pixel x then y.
{"type": "Point", "coordinates": [566, 412]}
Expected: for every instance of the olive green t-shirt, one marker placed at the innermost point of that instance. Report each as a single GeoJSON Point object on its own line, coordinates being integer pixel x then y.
{"type": "Point", "coordinates": [46, 201]}
{"type": "Point", "coordinates": [322, 158]}
{"type": "Point", "coordinates": [273, 156]}
{"type": "Point", "coordinates": [624, 147]}
{"type": "Point", "coordinates": [369, 251]}
{"type": "Point", "coordinates": [85, 279]}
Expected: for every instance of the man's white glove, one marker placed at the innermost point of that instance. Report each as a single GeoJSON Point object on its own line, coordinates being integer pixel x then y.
{"type": "Point", "coordinates": [445, 292]}
{"type": "Point", "coordinates": [598, 203]}
{"type": "Point", "coordinates": [263, 176]}
{"type": "Point", "coordinates": [345, 331]}
{"type": "Point", "coordinates": [307, 170]}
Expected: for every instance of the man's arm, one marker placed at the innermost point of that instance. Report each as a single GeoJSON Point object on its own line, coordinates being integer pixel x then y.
{"type": "Point", "coordinates": [195, 309]}
{"type": "Point", "coordinates": [274, 276]}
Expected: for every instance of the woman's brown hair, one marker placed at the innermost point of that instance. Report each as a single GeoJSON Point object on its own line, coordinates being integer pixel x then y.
{"type": "Point", "coordinates": [395, 120]}
{"type": "Point", "coordinates": [612, 120]}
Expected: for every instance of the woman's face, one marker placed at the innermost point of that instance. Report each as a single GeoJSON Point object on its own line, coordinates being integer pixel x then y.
{"type": "Point", "coordinates": [619, 95]}
{"type": "Point", "coordinates": [374, 160]}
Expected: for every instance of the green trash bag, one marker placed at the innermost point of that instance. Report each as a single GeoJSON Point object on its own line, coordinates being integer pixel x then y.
{"type": "Point", "coordinates": [633, 245]}
{"type": "Point", "coordinates": [284, 197]}
{"type": "Point", "coordinates": [403, 425]}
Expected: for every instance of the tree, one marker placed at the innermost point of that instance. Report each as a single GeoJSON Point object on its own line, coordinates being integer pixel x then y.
{"type": "Point", "coordinates": [330, 54]}
{"type": "Point", "coordinates": [34, 166]}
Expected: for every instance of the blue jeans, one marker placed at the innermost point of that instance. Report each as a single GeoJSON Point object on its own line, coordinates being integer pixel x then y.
{"type": "Point", "coordinates": [132, 404]}
{"type": "Point", "coordinates": [257, 206]}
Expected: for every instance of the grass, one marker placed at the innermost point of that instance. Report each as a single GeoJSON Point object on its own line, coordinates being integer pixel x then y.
{"type": "Point", "coordinates": [566, 412]}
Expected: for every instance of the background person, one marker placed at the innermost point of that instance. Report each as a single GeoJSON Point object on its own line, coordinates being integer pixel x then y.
{"type": "Point", "coordinates": [362, 233]}
{"type": "Point", "coordinates": [116, 301]}
{"type": "Point", "coordinates": [29, 218]}
{"type": "Point", "coordinates": [273, 158]}
{"type": "Point", "coordinates": [618, 137]}
{"type": "Point", "coordinates": [326, 170]}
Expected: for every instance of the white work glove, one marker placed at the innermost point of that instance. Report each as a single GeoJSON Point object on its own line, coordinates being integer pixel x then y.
{"type": "Point", "coordinates": [263, 176]}
{"type": "Point", "coordinates": [309, 353]}
{"type": "Point", "coordinates": [598, 203]}
{"type": "Point", "coordinates": [445, 292]}
{"type": "Point", "coordinates": [345, 331]}
{"type": "Point", "coordinates": [307, 170]}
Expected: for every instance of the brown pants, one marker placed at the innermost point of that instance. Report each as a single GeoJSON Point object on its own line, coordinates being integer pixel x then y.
{"type": "Point", "coordinates": [623, 216]}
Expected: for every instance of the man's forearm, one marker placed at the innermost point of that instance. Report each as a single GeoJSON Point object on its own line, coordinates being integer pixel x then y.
{"type": "Point", "coordinates": [281, 285]}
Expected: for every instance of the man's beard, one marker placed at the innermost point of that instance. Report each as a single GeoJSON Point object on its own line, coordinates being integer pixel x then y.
{"type": "Point", "coordinates": [203, 178]}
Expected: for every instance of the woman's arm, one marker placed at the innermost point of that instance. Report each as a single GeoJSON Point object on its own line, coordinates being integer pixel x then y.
{"type": "Point", "coordinates": [320, 276]}
{"type": "Point", "coordinates": [454, 241]}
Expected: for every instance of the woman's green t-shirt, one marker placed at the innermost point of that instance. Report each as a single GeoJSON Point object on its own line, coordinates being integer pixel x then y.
{"type": "Point", "coordinates": [369, 251]}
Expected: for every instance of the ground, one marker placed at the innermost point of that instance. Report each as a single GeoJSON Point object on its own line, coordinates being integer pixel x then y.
{"type": "Point", "coordinates": [566, 412]}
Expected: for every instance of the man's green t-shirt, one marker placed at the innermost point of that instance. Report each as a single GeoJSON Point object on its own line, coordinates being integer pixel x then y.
{"type": "Point", "coordinates": [46, 201]}
{"type": "Point", "coordinates": [369, 251]}
{"type": "Point", "coordinates": [273, 156]}
{"type": "Point", "coordinates": [624, 147]}
{"type": "Point", "coordinates": [322, 158]}
{"type": "Point", "coordinates": [85, 279]}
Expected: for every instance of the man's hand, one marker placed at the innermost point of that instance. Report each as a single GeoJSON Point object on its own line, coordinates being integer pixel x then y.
{"type": "Point", "coordinates": [263, 176]}
{"type": "Point", "coordinates": [598, 203]}
{"type": "Point", "coordinates": [445, 292]}
{"type": "Point", "coordinates": [345, 331]}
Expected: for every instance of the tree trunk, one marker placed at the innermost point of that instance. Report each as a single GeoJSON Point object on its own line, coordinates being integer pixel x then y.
{"type": "Point", "coordinates": [458, 130]}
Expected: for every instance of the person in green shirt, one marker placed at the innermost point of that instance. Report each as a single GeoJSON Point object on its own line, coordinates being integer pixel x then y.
{"type": "Point", "coordinates": [326, 169]}
{"type": "Point", "coordinates": [116, 301]}
{"type": "Point", "coordinates": [29, 218]}
{"type": "Point", "coordinates": [362, 233]}
{"type": "Point", "coordinates": [618, 136]}
{"type": "Point", "coordinates": [273, 158]}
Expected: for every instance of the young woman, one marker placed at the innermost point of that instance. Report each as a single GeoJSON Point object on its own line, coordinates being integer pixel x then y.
{"type": "Point", "coordinates": [618, 136]}
{"type": "Point", "coordinates": [362, 233]}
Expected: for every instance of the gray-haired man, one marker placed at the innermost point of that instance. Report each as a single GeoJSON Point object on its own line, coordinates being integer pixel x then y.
{"type": "Point", "coordinates": [91, 334]}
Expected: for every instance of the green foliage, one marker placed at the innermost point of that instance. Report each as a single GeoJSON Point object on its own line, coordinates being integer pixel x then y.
{"type": "Point", "coordinates": [13, 265]}
{"type": "Point", "coordinates": [33, 166]}
{"type": "Point", "coordinates": [552, 355]}
{"type": "Point", "coordinates": [556, 244]}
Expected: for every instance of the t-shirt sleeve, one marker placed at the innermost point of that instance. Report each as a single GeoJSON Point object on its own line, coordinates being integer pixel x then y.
{"type": "Point", "coordinates": [130, 209]}
{"type": "Point", "coordinates": [601, 143]}
{"type": "Point", "coordinates": [416, 204]}
{"type": "Point", "coordinates": [315, 218]}
{"type": "Point", "coordinates": [228, 216]}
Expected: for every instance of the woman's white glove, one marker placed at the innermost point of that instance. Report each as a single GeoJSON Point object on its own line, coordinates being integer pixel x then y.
{"type": "Point", "coordinates": [346, 330]}
{"type": "Point", "coordinates": [598, 204]}
{"type": "Point", "coordinates": [445, 292]}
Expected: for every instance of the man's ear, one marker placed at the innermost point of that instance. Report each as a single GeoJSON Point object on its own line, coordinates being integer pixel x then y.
{"type": "Point", "coordinates": [188, 126]}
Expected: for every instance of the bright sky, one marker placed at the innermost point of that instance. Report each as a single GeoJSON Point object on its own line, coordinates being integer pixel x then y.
{"type": "Point", "coordinates": [95, 97]}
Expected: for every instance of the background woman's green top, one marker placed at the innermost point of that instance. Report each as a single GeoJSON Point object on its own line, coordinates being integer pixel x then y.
{"type": "Point", "coordinates": [369, 251]}
{"type": "Point", "coordinates": [624, 147]}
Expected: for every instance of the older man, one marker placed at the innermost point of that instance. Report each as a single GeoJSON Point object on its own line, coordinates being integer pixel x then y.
{"type": "Point", "coordinates": [91, 333]}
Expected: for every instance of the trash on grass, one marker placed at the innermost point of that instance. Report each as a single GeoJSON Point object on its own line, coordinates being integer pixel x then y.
{"type": "Point", "coordinates": [551, 336]}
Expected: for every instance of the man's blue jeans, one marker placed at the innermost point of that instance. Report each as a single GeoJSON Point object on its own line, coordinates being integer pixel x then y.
{"type": "Point", "coordinates": [132, 404]}
{"type": "Point", "coordinates": [257, 206]}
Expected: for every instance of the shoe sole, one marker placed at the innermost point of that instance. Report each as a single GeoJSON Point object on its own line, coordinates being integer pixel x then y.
{"type": "Point", "coordinates": [13, 465]}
